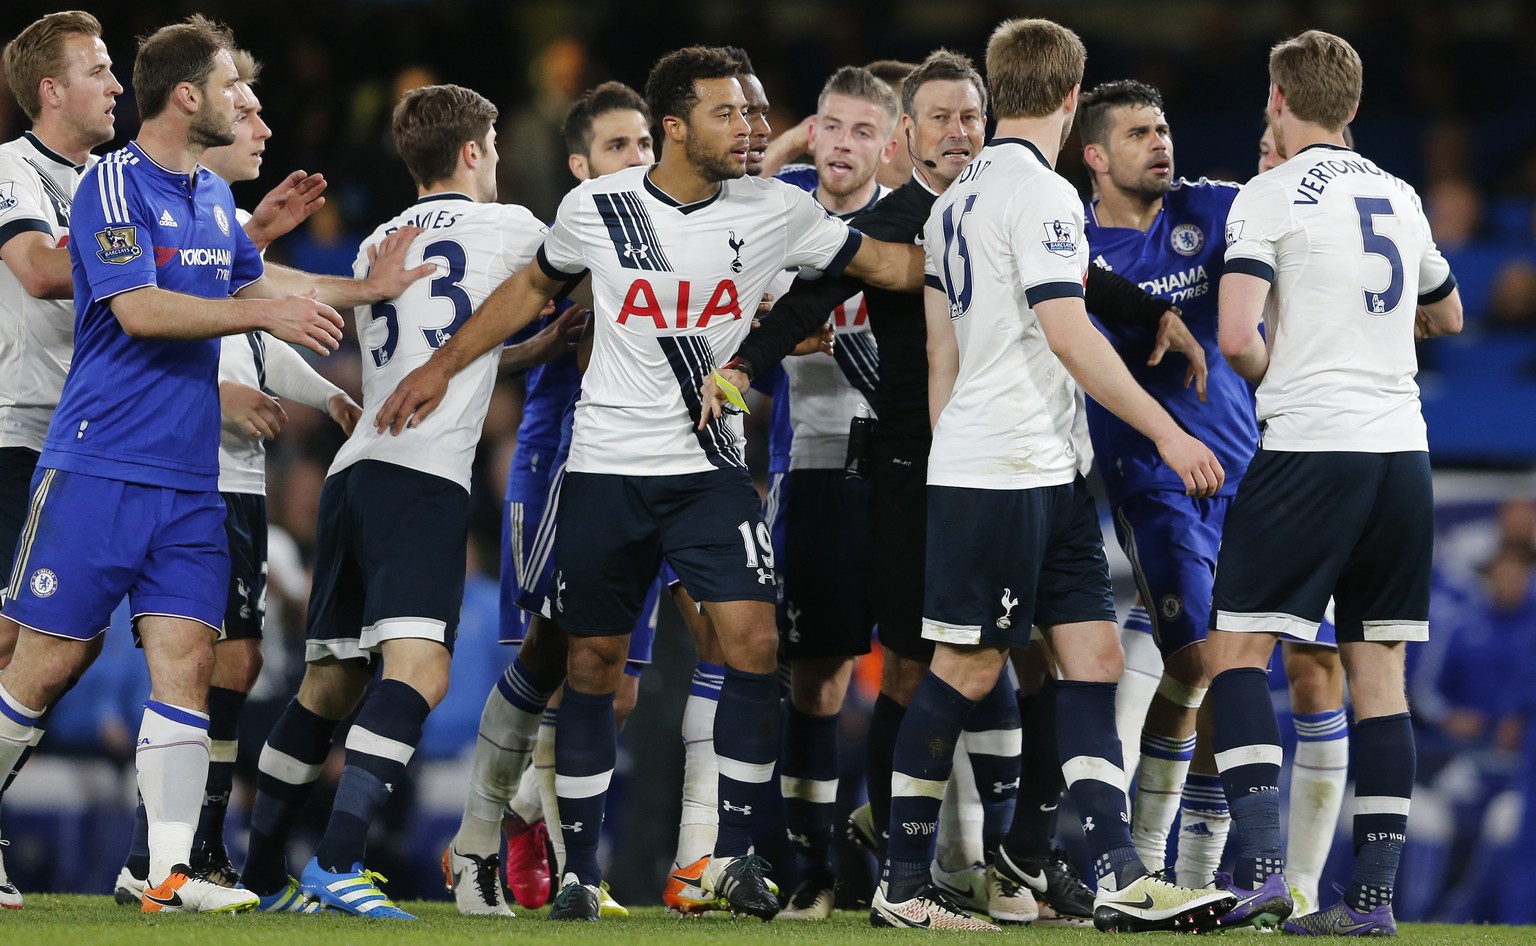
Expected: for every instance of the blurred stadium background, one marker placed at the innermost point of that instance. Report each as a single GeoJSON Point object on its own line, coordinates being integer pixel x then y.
{"type": "Point", "coordinates": [1443, 108]}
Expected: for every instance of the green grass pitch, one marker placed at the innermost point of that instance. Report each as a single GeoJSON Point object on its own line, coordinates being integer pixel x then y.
{"type": "Point", "coordinates": [55, 920]}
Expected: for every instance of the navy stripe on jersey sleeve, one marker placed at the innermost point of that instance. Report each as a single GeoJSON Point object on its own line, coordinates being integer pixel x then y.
{"type": "Point", "coordinates": [845, 255]}
{"type": "Point", "coordinates": [18, 227]}
{"type": "Point", "coordinates": [1428, 298]}
{"type": "Point", "coordinates": [1045, 292]}
{"type": "Point", "coordinates": [554, 272]}
{"type": "Point", "coordinates": [933, 282]}
{"type": "Point", "coordinates": [1251, 267]}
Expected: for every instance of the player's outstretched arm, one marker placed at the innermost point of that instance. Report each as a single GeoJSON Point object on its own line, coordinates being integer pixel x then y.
{"type": "Point", "coordinates": [1097, 368]}
{"type": "Point", "coordinates": [387, 276]}
{"type": "Point", "coordinates": [559, 337]}
{"type": "Point", "coordinates": [42, 268]}
{"type": "Point", "coordinates": [943, 353]}
{"type": "Point", "coordinates": [512, 305]}
{"type": "Point", "coordinates": [895, 266]}
{"type": "Point", "coordinates": [286, 206]}
{"type": "Point", "coordinates": [1240, 309]}
{"type": "Point", "coordinates": [1174, 335]}
{"type": "Point", "coordinates": [152, 312]}
{"type": "Point", "coordinates": [1439, 318]}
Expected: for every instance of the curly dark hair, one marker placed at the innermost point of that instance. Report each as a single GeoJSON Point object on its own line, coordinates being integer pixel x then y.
{"type": "Point", "coordinates": [1094, 107]}
{"type": "Point", "coordinates": [670, 89]}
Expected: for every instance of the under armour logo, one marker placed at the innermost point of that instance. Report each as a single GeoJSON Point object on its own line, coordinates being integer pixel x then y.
{"type": "Point", "coordinates": [727, 806]}
{"type": "Point", "coordinates": [574, 828]}
{"type": "Point", "coordinates": [735, 246]}
{"type": "Point", "coordinates": [1088, 824]}
{"type": "Point", "coordinates": [1009, 603]}
{"type": "Point", "coordinates": [764, 577]}
{"type": "Point", "coordinates": [804, 840]}
{"type": "Point", "coordinates": [999, 787]}
{"type": "Point", "coordinates": [636, 252]}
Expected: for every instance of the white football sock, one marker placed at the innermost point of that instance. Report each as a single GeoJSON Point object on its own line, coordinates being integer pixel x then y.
{"type": "Point", "coordinates": [172, 761]}
{"type": "Point", "coordinates": [505, 740]}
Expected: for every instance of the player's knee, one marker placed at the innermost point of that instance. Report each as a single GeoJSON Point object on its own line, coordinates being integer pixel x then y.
{"type": "Point", "coordinates": [595, 664]}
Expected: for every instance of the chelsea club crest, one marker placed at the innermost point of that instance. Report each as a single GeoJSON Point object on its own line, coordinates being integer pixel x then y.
{"type": "Point", "coordinates": [1187, 239]}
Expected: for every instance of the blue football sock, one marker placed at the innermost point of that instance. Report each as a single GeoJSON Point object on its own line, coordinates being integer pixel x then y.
{"type": "Point", "coordinates": [585, 753]}
{"type": "Point", "coordinates": [924, 758]}
{"type": "Point", "coordinates": [1385, 759]}
{"type": "Point", "coordinates": [1247, 744]}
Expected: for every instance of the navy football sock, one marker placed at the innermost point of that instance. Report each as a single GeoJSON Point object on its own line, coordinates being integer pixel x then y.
{"type": "Point", "coordinates": [585, 754]}
{"type": "Point", "coordinates": [379, 746]}
{"type": "Point", "coordinates": [880, 749]}
{"type": "Point", "coordinates": [224, 707]}
{"type": "Point", "coordinates": [809, 783]}
{"type": "Point", "coordinates": [1385, 760]}
{"type": "Point", "coordinates": [289, 765]}
{"type": "Point", "coordinates": [746, 744]}
{"type": "Point", "coordinates": [1092, 765]}
{"type": "Point", "coordinates": [1040, 780]}
{"type": "Point", "coordinates": [993, 740]}
{"type": "Point", "coordinates": [1247, 744]}
{"type": "Point", "coordinates": [925, 755]}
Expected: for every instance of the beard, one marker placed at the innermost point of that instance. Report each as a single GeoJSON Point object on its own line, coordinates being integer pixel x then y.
{"type": "Point", "coordinates": [209, 129]}
{"type": "Point", "coordinates": [713, 166]}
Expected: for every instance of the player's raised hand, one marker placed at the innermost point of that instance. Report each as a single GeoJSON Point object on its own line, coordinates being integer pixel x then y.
{"type": "Point", "coordinates": [823, 340]}
{"type": "Point", "coordinates": [344, 411]}
{"type": "Point", "coordinates": [712, 399]}
{"type": "Point", "coordinates": [1173, 334]}
{"type": "Point", "coordinates": [286, 206]}
{"type": "Point", "coordinates": [1196, 465]}
{"type": "Point", "coordinates": [250, 411]}
{"type": "Point", "coordinates": [387, 275]}
{"type": "Point", "coordinates": [414, 398]}
{"type": "Point", "coordinates": [303, 320]}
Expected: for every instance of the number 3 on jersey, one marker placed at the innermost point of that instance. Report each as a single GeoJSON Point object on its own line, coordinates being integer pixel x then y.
{"type": "Point", "coordinates": [446, 286]}
{"type": "Point", "coordinates": [957, 259]}
{"type": "Point", "coordinates": [1380, 302]}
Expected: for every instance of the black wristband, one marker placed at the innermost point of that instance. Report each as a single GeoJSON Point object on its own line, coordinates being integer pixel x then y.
{"type": "Point", "coordinates": [743, 365]}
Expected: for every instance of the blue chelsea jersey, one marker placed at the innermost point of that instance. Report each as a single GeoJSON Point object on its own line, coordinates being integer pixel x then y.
{"type": "Point", "coordinates": [146, 410]}
{"type": "Point", "coordinates": [1179, 258]}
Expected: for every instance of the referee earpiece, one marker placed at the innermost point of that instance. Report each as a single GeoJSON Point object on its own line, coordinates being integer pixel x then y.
{"type": "Point", "coordinates": [913, 154]}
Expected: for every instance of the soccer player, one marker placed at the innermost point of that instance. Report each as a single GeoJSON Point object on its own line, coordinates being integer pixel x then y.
{"type": "Point", "coordinates": [1007, 337]}
{"type": "Point", "coordinates": [394, 517]}
{"type": "Point", "coordinates": [1338, 498]}
{"type": "Point", "coordinates": [59, 70]}
{"type": "Point", "coordinates": [155, 255]}
{"type": "Point", "coordinates": [826, 619]}
{"type": "Point", "coordinates": [757, 109]}
{"type": "Point", "coordinates": [607, 129]}
{"type": "Point", "coordinates": [1160, 230]}
{"type": "Point", "coordinates": [250, 366]}
{"type": "Point", "coordinates": [680, 254]}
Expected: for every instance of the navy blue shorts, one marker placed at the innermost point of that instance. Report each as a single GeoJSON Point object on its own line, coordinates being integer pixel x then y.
{"type": "Point", "coordinates": [898, 526]}
{"type": "Point", "coordinates": [1172, 541]}
{"type": "Point", "coordinates": [245, 526]}
{"type": "Point", "coordinates": [89, 541]}
{"type": "Point", "coordinates": [528, 529]}
{"type": "Point", "coordinates": [614, 531]}
{"type": "Point", "coordinates": [17, 465]}
{"type": "Point", "coordinates": [390, 550]}
{"type": "Point", "coordinates": [826, 608]}
{"type": "Point", "coordinates": [1304, 526]}
{"type": "Point", "coordinates": [1002, 560]}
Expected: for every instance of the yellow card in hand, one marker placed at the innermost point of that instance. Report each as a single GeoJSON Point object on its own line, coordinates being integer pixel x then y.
{"type": "Point", "coordinates": [732, 393]}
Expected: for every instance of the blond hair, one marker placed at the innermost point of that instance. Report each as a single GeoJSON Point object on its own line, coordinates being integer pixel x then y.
{"type": "Point", "coordinates": [1032, 66]}
{"type": "Point", "coordinates": [1321, 76]}
{"type": "Point", "coordinates": [37, 53]}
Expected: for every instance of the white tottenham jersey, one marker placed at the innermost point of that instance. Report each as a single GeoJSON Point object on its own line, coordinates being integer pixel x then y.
{"type": "Point", "coordinates": [257, 360]}
{"type": "Point", "coordinates": [1007, 235]}
{"type": "Point", "coordinates": [825, 391]}
{"type": "Point", "coordinates": [1350, 255]}
{"type": "Point", "coordinates": [476, 246]}
{"type": "Point", "coordinates": [674, 290]}
{"type": "Point", "coordinates": [37, 336]}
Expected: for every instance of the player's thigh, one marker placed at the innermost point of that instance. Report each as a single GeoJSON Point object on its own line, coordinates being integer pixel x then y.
{"type": "Point", "coordinates": [607, 551]}
{"type": "Point", "coordinates": [713, 534]}
{"type": "Point", "coordinates": [81, 549]}
{"type": "Point", "coordinates": [245, 530]}
{"type": "Point", "coordinates": [984, 554]}
{"type": "Point", "coordinates": [179, 652]}
{"type": "Point", "coordinates": [1172, 541]}
{"type": "Point", "coordinates": [1383, 591]}
{"type": "Point", "coordinates": [1287, 536]}
{"type": "Point", "coordinates": [826, 608]}
{"type": "Point", "coordinates": [412, 531]}
{"type": "Point", "coordinates": [898, 528]}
